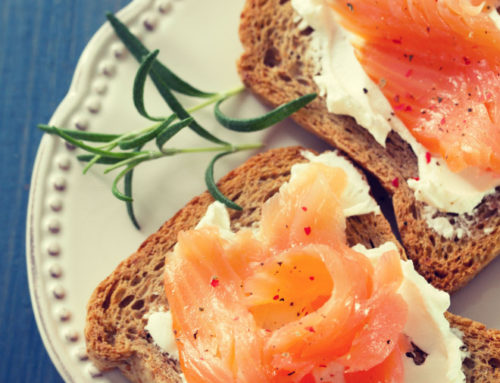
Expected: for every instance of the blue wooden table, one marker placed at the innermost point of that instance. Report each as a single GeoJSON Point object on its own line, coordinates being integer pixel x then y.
{"type": "Point", "coordinates": [40, 42]}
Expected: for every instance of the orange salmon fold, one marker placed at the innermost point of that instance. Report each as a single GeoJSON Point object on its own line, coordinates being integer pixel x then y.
{"type": "Point", "coordinates": [438, 64]}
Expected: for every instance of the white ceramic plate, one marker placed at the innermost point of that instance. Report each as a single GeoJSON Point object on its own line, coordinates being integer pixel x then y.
{"type": "Point", "coordinates": [77, 232]}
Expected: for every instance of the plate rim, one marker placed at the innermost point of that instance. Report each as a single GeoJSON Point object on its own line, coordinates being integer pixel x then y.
{"type": "Point", "coordinates": [73, 95]}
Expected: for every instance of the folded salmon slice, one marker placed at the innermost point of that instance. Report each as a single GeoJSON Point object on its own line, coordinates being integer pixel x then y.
{"type": "Point", "coordinates": [438, 63]}
{"type": "Point", "coordinates": [291, 304]}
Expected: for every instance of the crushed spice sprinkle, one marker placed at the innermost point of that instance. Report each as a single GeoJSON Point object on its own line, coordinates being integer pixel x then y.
{"type": "Point", "coordinates": [395, 182]}
{"type": "Point", "coordinates": [428, 157]}
{"type": "Point", "coordinates": [214, 282]}
{"type": "Point", "coordinates": [307, 230]}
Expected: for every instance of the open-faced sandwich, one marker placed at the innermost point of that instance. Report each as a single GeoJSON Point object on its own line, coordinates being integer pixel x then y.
{"type": "Point", "coordinates": [306, 284]}
{"type": "Point", "coordinates": [410, 91]}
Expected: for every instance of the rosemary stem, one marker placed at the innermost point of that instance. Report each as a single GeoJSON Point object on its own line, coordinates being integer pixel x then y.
{"type": "Point", "coordinates": [125, 136]}
{"type": "Point", "coordinates": [96, 158]}
{"type": "Point", "coordinates": [153, 155]}
{"type": "Point", "coordinates": [227, 148]}
{"type": "Point", "coordinates": [212, 100]}
{"type": "Point", "coordinates": [140, 157]}
{"type": "Point", "coordinates": [217, 97]}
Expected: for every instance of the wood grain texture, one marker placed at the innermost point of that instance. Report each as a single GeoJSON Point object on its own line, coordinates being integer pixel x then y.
{"type": "Point", "coordinates": [40, 43]}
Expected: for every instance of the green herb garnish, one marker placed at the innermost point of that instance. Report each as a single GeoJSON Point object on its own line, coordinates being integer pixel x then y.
{"type": "Point", "coordinates": [126, 151]}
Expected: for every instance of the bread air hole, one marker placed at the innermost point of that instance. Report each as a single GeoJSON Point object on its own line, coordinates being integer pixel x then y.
{"type": "Point", "coordinates": [126, 301]}
{"type": "Point", "coordinates": [494, 362]}
{"type": "Point", "coordinates": [138, 305]}
{"type": "Point", "coordinates": [272, 57]}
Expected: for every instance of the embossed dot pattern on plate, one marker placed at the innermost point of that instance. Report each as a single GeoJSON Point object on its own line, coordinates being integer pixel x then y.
{"type": "Point", "coordinates": [90, 107]}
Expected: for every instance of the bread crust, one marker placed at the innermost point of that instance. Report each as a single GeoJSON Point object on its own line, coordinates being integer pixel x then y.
{"type": "Point", "coordinates": [276, 66]}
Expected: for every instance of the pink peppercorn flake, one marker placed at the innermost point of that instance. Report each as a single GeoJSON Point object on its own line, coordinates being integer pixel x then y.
{"type": "Point", "coordinates": [443, 121]}
{"type": "Point", "coordinates": [428, 157]}
{"type": "Point", "coordinates": [311, 277]}
{"type": "Point", "coordinates": [395, 182]}
{"type": "Point", "coordinates": [397, 41]}
{"type": "Point", "coordinates": [409, 73]}
{"type": "Point", "coordinates": [416, 178]}
{"type": "Point", "coordinates": [307, 230]}
{"type": "Point", "coordinates": [304, 208]}
{"type": "Point", "coordinates": [214, 282]}
{"type": "Point", "coordinates": [310, 329]}
{"type": "Point", "coordinates": [276, 297]}
{"type": "Point", "coordinates": [466, 60]}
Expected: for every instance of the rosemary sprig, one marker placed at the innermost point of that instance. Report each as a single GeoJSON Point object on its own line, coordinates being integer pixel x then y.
{"type": "Point", "coordinates": [126, 151]}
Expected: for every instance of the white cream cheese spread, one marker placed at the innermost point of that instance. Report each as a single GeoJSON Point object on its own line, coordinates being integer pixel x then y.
{"type": "Point", "coordinates": [350, 91]}
{"type": "Point", "coordinates": [443, 226]}
{"type": "Point", "coordinates": [157, 323]}
{"type": "Point", "coordinates": [426, 326]}
{"type": "Point", "coordinates": [159, 327]}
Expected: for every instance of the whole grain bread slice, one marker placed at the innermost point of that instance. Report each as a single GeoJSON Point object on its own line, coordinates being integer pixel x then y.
{"type": "Point", "coordinates": [117, 311]}
{"type": "Point", "coordinates": [277, 66]}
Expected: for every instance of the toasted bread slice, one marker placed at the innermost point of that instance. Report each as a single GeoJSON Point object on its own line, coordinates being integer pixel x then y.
{"type": "Point", "coordinates": [117, 311]}
{"type": "Point", "coordinates": [277, 67]}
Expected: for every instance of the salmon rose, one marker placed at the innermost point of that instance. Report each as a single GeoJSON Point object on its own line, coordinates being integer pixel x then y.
{"type": "Point", "coordinates": [289, 301]}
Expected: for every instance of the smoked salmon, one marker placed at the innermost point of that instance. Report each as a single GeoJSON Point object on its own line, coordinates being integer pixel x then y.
{"type": "Point", "coordinates": [438, 63]}
{"type": "Point", "coordinates": [291, 302]}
